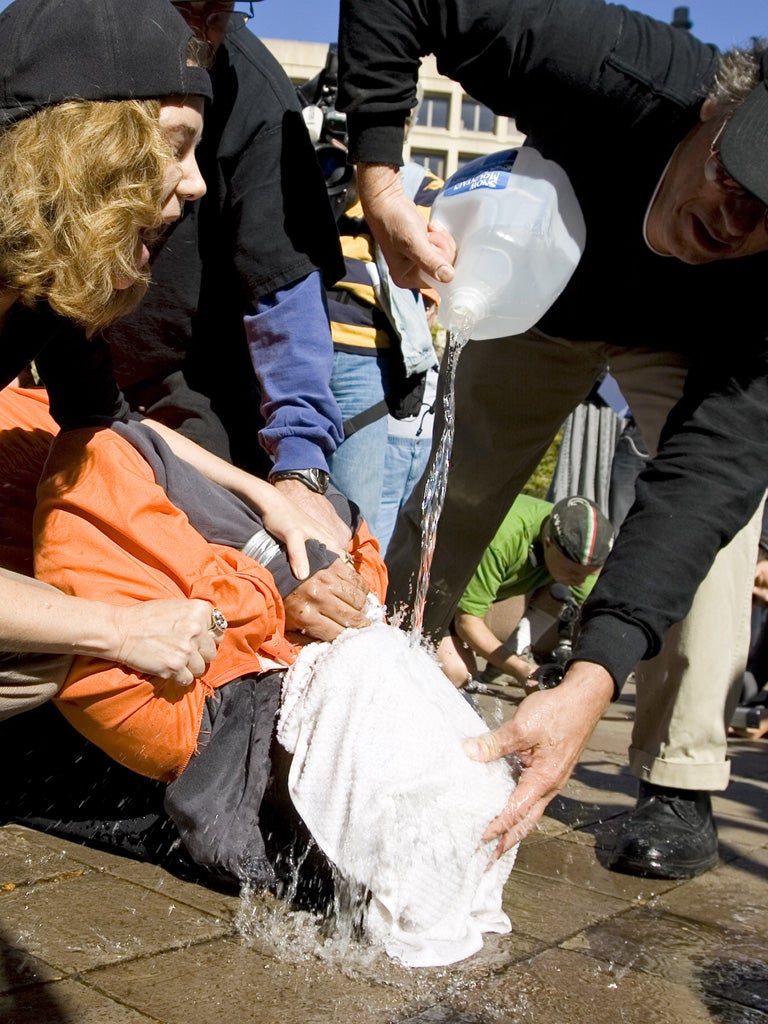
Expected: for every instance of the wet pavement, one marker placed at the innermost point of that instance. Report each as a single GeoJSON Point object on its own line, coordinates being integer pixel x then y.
{"type": "Point", "coordinates": [87, 937]}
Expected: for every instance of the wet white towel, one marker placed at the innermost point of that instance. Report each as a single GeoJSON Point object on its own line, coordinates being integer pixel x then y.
{"type": "Point", "coordinates": [381, 780]}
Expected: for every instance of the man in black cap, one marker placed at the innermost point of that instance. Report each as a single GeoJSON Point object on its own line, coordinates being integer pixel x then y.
{"type": "Point", "coordinates": [666, 145]}
{"type": "Point", "coordinates": [140, 52]}
{"type": "Point", "coordinates": [131, 181]}
{"type": "Point", "coordinates": [231, 346]}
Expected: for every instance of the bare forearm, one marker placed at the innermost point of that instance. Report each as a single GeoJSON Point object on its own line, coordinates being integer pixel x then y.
{"type": "Point", "coordinates": [476, 634]}
{"type": "Point", "coordinates": [170, 639]}
{"type": "Point", "coordinates": [281, 517]}
{"type": "Point", "coordinates": [250, 488]}
{"type": "Point", "coordinates": [37, 619]}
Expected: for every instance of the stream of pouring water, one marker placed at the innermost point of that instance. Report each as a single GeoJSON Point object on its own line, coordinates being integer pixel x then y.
{"type": "Point", "coordinates": [434, 491]}
{"type": "Point", "coordinates": [297, 934]}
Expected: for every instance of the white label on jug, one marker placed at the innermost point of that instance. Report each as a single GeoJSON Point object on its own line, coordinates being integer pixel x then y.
{"type": "Point", "coordinates": [486, 172]}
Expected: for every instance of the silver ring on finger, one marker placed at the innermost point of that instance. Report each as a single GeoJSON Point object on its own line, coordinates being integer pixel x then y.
{"type": "Point", "coordinates": [218, 621]}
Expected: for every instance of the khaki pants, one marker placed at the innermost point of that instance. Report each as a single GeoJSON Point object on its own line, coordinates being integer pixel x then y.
{"type": "Point", "coordinates": [512, 396]}
{"type": "Point", "coordinates": [27, 680]}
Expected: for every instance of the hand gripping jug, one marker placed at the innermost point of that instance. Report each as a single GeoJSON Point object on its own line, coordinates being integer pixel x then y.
{"type": "Point", "coordinates": [520, 235]}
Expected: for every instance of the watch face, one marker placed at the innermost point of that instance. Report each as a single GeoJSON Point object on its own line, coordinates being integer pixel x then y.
{"type": "Point", "coordinates": [321, 480]}
{"type": "Point", "coordinates": [315, 479]}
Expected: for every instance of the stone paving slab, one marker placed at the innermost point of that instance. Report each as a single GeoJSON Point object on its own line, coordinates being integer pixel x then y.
{"type": "Point", "coordinates": [88, 937]}
{"type": "Point", "coordinates": [550, 911]}
{"type": "Point", "coordinates": [149, 876]}
{"type": "Point", "coordinates": [564, 986]}
{"type": "Point", "coordinates": [56, 923]}
{"type": "Point", "coordinates": [674, 947]}
{"type": "Point", "coordinates": [202, 983]}
{"type": "Point", "coordinates": [68, 1002]}
{"type": "Point", "coordinates": [576, 865]}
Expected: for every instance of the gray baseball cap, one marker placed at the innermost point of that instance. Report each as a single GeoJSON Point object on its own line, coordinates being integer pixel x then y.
{"type": "Point", "coordinates": [744, 142]}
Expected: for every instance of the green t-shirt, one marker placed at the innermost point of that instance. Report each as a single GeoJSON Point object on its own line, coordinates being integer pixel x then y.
{"type": "Point", "coordinates": [506, 568]}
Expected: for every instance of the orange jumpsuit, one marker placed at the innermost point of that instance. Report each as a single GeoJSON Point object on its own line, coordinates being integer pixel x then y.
{"type": "Point", "coordinates": [105, 530]}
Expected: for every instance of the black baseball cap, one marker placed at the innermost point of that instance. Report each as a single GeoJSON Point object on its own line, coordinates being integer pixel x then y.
{"type": "Point", "coordinates": [581, 531]}
{"type": "Point", "coordinates": [744, 142]}
{"type": "Point", "coordinates": [58, 50]}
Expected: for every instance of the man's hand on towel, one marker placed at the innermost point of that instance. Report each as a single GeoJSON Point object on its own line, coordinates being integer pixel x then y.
{"type": "Point", "coordinates": [328, 602]}
{"type": "Point", "coordinates": [547, 733]}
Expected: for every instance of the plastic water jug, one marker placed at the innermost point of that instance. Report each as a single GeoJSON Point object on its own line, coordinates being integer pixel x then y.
{"type": "Point", "coordinates": [520, 235]}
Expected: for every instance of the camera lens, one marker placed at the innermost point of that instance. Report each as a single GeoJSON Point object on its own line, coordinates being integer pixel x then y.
{"type": "Point", "coordinates": [333, 164]}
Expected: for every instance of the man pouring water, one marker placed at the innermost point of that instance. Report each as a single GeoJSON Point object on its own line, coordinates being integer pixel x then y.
{"type": "Point", "coordinates": [665, 143]}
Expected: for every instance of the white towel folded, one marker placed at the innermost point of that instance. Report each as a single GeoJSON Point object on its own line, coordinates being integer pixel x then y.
{"type": "Point", "coordinates": [382, 782]}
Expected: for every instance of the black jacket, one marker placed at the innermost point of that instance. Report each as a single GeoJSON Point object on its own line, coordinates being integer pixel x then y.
{"type": "Point", "coordinates": [608, 94]}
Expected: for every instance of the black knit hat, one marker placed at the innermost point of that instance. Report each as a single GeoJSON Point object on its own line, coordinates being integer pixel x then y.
{"type": "Point", "coordinates": [581, 531]}
{"type": "Point", "coordinates": [58, 50]}
{"type": "Point", "coordinates": [744, 142]}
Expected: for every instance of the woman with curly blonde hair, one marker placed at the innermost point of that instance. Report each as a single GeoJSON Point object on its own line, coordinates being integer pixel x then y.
{"type": "Point", "coordinates": [100, 111]}
{"type": "Point", "coordinates": [82, 188]}
{"type": "Point", "coordinates": [98, 130]}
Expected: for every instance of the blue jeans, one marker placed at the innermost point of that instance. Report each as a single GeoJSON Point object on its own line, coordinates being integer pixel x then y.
{"type": "Point", "coordinates": [405, 460]}
{"type": "Point", "coordinates": [357, 465]}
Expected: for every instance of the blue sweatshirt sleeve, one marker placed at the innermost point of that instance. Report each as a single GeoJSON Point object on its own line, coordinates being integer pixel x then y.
{"type": "Point", "coordinates": [289, 341]}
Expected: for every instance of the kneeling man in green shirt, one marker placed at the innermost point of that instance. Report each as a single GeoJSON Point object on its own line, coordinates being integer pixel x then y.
{"type": "Point", "coordinates": [537, 543]}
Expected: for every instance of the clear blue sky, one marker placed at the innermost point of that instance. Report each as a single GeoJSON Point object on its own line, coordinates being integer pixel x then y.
{"type": "Point", "coordinates": [723, 22]}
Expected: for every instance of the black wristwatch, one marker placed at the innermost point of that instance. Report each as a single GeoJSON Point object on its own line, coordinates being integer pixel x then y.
{"type": "Point", "coordinates": [315, 479]}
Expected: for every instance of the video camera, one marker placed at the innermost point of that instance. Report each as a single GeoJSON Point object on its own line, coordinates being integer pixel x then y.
{"type": "Point", "coordinates": [551, 674]}
{"type": "Point", "coordinates": [327, 126]}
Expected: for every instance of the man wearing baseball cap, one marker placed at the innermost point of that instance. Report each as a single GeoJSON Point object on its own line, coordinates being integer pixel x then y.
{"type": "Point", "coordinates": [665, 142]}
{"type": "Point", "coordinates": [536, 544]}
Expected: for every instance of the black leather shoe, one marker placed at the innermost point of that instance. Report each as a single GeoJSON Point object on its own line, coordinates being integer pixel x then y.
{"type": "Point", "coordinates": [670, 834]}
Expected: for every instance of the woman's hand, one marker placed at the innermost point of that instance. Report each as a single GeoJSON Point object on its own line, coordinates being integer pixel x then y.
{"type": "Point", "coordinates": [173, 640]}
{"type": "Point", "coordinates": [293, 527]}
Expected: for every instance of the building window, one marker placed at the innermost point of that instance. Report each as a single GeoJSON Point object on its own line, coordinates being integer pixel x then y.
{"type": "Point", "coordinates": [466, 158]}
{"type": "Point", "coordinates": [434, 162]}
{"type": "Point", "coordinates": [434, 111]}
{"type": "Point", "coordinates": [475, 117]}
